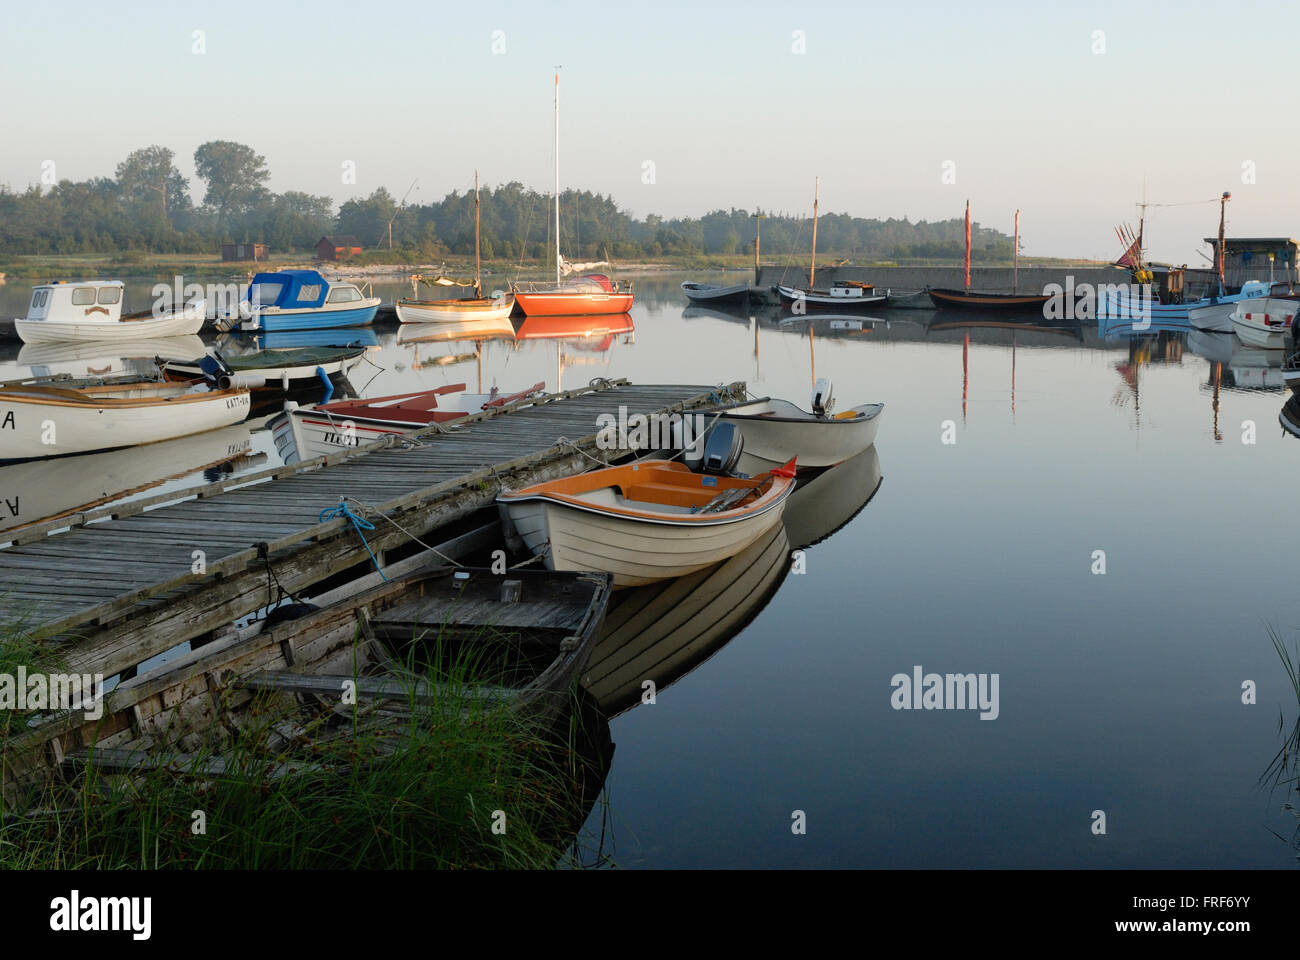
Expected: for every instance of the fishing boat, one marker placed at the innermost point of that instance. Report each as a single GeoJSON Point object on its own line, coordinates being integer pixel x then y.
{"type": "Point", "coordinates": [46, 421]}
{"type": "Point", "coordinates": [303, 300]}
{"type": "Point", "coordinates": [305, 432]}
{"type": "Point", "coordinates": [436, 637]}
{"type": "Point", "coordinates": [968, 299]}
{"type": "Point", "coordinates": [713, 293]}
{"type": "Point", "coordinates": [776, 430]}
{"type": "Point", "coordinates": [841, 295]}
{"type": "Point", "coordinates": [478, 307]}
{"type": "Point", "coordinates": [650, 520]}
{"type": "Point", "coordinates": [1264, 323]}
{"type": "Point", "coordinates": [1215, 313]}
{"type": "Point", "coordinates": [92, 310]}
{"type": "Point", "coordinates": [593, 293]}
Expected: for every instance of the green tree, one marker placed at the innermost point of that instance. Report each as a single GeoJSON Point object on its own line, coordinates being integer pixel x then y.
{"type": "Point", "coordinates": [236, 177]}
{"type": "Point", "coordinates": [152, 189]}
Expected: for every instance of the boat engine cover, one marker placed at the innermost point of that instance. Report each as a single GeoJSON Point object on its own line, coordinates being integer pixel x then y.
{"type": "Point", "coordinates": [722, 449]}
{"type": "Point", "coordinates": [823, 399]}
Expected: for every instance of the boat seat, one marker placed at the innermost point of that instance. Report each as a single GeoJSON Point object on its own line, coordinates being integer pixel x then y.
{"type": "Point", "coordinates": [670, 494]}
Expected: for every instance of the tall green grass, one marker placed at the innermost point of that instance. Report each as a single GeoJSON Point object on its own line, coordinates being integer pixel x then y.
{"type": "Point", "coordinates": [456, 783]}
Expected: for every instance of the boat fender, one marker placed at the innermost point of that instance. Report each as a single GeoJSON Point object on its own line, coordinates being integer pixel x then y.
{"type": "Point", "coordinates": [241, 381]}
{"type": "Point", "coordinates": [284, 380]}
{"type": "Point", "coordinates": [329, 384]}
{"type": "Point", "coordinates": [289, 611]}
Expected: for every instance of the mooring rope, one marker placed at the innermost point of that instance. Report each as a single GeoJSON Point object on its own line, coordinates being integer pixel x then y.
{"type": "Point", "coordinates": [371, 511]}
{"type": "Point", "coordinates": [360, 524]}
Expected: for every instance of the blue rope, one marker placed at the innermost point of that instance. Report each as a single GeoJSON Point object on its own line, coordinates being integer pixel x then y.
{"type": "Point", "coordinates": [361, 524]}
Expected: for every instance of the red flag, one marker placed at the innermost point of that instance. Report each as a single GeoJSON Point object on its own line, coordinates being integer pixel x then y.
{"type": "Point", "coordinates": [967, 244]}
{"type": "Point", "coordinates": [1131, 256]}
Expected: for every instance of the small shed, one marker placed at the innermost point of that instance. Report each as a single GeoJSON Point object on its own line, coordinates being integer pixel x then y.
{"type": "Point", "coordinates": [337, 248]}
{"type": "Point", "coordinates": [243, 251]}
{"type": "Point", "coordinates": [1257, 258]}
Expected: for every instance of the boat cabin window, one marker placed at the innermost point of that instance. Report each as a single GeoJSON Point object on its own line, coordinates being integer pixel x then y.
{"type": "Point", "coordinates": [83, 296]}
{"type": "Point", "coordinates": [308, 291]}
{"type": "Point", "coordinates": [265, 294]}
{"type": "Point", "coordinates": [110, 294]}
{"type": "Point", "coordinates": [346, 294]}
{"type": "Point", "coordinates": [40, 298]}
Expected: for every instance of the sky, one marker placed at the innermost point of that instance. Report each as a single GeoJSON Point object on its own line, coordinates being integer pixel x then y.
{"type": "Point", "coordinates": [1065, 111]}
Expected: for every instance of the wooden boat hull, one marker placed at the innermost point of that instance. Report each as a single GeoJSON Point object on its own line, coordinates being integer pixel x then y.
{"type": "Point", "coordinates": [775, 431]}
{"type": "Point", "coordinates": [968, 300]}
{"type": "Point", "coordinates": [104, 418]}
{"type": "Point", "coordinates": [636, 541]}
{"type": "Point", "coordinates": [711, 293]}
{"type": "Point", "coordinates": [455, 311]}
{"type": "Point", "coordinates": [179, 323]}
{"type": "Point", "coordinates": [538, 634]}
{"type": "Point", "coordinates": [577, 304]}
{"type": "Point", "coordinates": [663, 631]}
{"type": "Point", "coordinates": [818, 300]}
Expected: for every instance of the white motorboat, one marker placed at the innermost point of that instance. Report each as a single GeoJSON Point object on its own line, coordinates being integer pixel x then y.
{"type": "Point", "coordinates": [1216, 313]}
{"type": "Point", "coordinates": [1264, 323]}
{"type": "Point", "coordinates": [776, 430]}
{"type": "Point", "coordinates": [92, 310]}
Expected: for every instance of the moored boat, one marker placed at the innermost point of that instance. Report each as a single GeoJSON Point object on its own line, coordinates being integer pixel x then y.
{"type": "Point", "coordinates": [1215, 313]}
{"type": "Point", "coordinates": [713, 293]}
{"type": "Point", "coordinates": [1264, 323]}
{"type": "Point", "coordinates": [776, 430]}
{"type": "Point", "coordinates": [41, 421]}
{"type": "Point", "coordinates": [841, 295]}
{"type": "Point", "coordinates": [303, 433]}
{"type": "Point", "coordinates": [303, 300]}
{"type": "Point", "coordinates": [974, 300]}
{"type": "Point", "coordinates": [92, 310]}
{"type": "Point", "coordinates": [283, 368]}
{"type": "Point", "coordinates": [650, 520]}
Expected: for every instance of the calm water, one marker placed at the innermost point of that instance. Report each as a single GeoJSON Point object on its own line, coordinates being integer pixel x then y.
{"type": "Point", "coordinates": [1118, 692]}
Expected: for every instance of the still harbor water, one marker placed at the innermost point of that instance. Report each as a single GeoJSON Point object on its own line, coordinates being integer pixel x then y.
{"type": "Point", "coordinates": [1096, 525]}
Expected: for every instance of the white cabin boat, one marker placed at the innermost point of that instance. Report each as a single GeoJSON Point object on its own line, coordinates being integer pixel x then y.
{"type": "Point", "coordinates": [92, 310]}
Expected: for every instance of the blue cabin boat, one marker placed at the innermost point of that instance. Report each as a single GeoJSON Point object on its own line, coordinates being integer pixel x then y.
{"type": "Point", "coordinates": [303, 300]}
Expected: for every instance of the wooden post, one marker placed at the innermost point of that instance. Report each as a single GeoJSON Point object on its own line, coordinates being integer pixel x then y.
{"type": "Point", "coordinates": [478, 268]}
{"type": "Point", "coordinates": [1015, 269]}
{"type": "Point", "coordinates": [812, 270]}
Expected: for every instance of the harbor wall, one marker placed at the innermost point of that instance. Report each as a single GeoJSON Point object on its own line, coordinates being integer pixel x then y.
{"type": "Point", "coordinates": [904, 280]}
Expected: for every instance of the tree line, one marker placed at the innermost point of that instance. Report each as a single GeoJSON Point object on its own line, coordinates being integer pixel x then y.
{"type": "Point", "coordinates": [147, 206]}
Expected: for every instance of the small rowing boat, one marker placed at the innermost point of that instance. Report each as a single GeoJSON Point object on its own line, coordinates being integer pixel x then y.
{"type": "Point", "coordinates": [40, 421]}
{"type": "Point", "coordinates": [287, 369]}
{"type": "Point", "coordinates": [647, 521]}
{"type": "Point", "coordinates": [713, 293]}
{"type": "Point", "coordinates": [304, 433]}
{"type": "Point", "coordinates": [776, 430]}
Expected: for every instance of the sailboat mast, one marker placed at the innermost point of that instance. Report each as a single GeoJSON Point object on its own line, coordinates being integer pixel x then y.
{"type": "Point", "coordinates": [967, 261]}
{"type": "Point", "coordinates": [478, 264]}
{"type": "Point", "coordinates": [1015, 269]}
{"type": "Point", "coordinates": [557, 178]}
{"type": "Point", "coordinates": [812, 270]}
{"type": "Point", "coordinates": [1223, 208]}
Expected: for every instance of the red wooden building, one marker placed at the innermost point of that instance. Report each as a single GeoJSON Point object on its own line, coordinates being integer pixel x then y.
{"type": "Point", "coordinates": [337, 248]}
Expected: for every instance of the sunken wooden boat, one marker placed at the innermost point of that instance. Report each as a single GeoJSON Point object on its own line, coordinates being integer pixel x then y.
{"type": "Point", "coordinates": [318, 430]}
{"type": "Point", "coordinates": [519, 642]}
{"type": "Point", "coordinates": [999, 302]}
{"type": "Point", "coordinates": [650, 520]}
{"type": "Point", "coordinates": [45, 421]}
{"type": "Point", "coordinates": [776, 430]}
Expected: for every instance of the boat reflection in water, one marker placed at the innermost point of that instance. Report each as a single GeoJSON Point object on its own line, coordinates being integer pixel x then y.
{"type": "Point", "coordinates": [662, 631]}
{"type": "Point", "coordinates": [1289, 418]}
{"type": "Point", "coordinates": [40, 490]}
{"type": "Point", "coordinates": [97, 359]}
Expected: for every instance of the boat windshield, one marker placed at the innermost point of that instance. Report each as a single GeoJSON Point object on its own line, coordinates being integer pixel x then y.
{"type": "Point", "coordinates": [266, 293]}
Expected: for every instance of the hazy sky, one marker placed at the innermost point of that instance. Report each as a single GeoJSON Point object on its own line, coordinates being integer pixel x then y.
{"type": "Point", "coordinates": [715, 96]}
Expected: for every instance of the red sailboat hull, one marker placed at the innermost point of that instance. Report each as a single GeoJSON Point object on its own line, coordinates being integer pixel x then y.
{"type": "Point", "coordinates": [562, 303]}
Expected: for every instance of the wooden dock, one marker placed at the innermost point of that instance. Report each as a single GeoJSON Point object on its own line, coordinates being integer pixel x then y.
{"type": "Point", "coordinates": [123, 584]}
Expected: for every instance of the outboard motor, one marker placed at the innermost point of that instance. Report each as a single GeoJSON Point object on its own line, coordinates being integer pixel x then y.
{"type": "Point", "coordinates": [722, 449]}
{"type": "Point", "coordinates": [823, 400]}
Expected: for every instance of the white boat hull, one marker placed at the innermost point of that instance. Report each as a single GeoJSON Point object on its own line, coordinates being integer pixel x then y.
{"type": "Point", "coordinates": [35, 426]}
{"type": "Point", "coordinates": [635, 553]}
{"type": "Point", "coordinates": [499, 309]}
{"type": "Point", "coordinates": [1216, 318]}
{"type": "Point", "coordinates": [181, 323]}
{"type": "Point", "coordinates": [817, 442]}
{"type": "Point", "coordinates": [1264, 323]}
